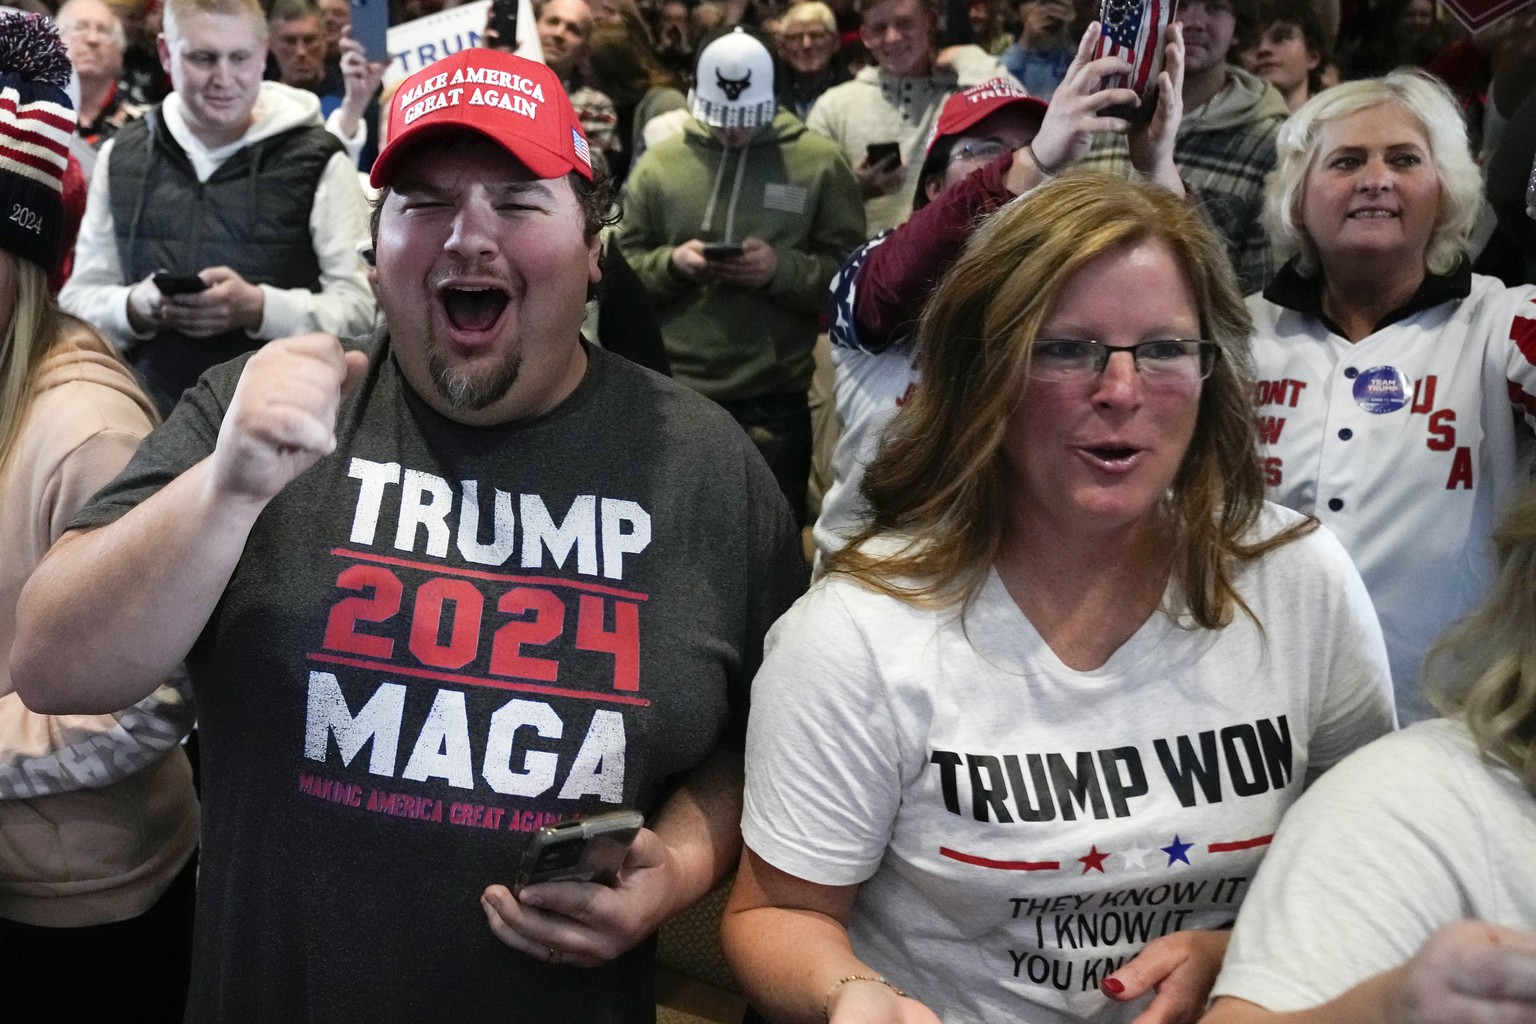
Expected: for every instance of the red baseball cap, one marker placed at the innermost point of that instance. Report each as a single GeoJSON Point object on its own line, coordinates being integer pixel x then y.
{"type": "Point", "coordinates": [517, 103]}
{"type": "Point", "coordinates": [969, 106]}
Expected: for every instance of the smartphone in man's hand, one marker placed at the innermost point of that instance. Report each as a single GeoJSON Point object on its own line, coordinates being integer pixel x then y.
{"type": "Point", "coordinates": [504, 23]}
{"type": "Point", "coordinates": [581, 850]}
{"type": "Point", "coordinates": [884, 155]}
{"type": "Point", "coordinates": [178, 284]}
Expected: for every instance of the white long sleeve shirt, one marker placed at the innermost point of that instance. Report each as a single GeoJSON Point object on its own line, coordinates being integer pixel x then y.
{"type": "Point", "coordinates": [338, 220]}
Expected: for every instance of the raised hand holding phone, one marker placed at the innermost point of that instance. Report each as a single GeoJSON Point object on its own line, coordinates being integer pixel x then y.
{"type": "Point", "coordinates": [1134, 30]}
{"type": "Point", "coordinates": [1151, 142]}
{"type": "Point", "coordinates": [581, 850]}
{"type": "Point", "coordinates": [501, 26]}
{"type": "Point", "coordinates": [1078, 108]}
{"type": "Point", "coordinates": [370, 26]}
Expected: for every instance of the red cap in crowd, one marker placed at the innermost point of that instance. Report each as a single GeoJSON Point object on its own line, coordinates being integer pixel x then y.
{"type": "Point", "coordinates": [969, 106]}
{"type": "Point", "coordinates": [517, 103]}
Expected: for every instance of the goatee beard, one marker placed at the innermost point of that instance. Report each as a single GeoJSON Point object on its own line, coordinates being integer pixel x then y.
{"type": "Point", "coordinates": [467, 390]}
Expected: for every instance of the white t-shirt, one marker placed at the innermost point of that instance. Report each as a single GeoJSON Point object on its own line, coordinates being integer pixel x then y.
{"type": "Point", "coordinates": [1406, 445]}
{"type": "Point", "coordinates": [869, 389]}
{"type": "Point", "coordinates": [1411, 833]}
{"type": "Point", "coordinates": [1019, 829]}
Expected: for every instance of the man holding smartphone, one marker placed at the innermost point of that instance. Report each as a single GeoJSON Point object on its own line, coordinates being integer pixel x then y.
{"type": "Point", "coordinates": [736, 227]}
{"type": "Point", "coordinates": [436, 590]}
{"type": "Point", "coordinates": [232, 179]}
{"type": "Point", "coordinates": [897, 100]}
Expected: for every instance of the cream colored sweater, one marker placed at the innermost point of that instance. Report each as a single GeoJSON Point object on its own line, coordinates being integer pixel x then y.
{"type": "Point", "coordinates": [97, 812]}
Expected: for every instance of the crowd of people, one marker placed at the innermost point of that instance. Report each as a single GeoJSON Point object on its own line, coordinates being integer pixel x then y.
{"type": "Point", "coordinates": [1059, 551]}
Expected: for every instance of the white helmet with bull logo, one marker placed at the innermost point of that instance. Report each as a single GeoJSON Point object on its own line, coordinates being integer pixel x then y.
{"type": "Point", "coordinates": [735, 83]}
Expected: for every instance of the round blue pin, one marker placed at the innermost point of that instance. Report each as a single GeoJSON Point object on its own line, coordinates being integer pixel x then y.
{"type": "Point", "coordinates": [1381, 389]}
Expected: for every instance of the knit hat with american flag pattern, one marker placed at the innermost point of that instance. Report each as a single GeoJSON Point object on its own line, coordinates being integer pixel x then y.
{"type": "Point", "coordinates": [36, 121]}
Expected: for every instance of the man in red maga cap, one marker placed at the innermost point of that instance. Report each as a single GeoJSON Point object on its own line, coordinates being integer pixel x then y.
{"type": "Point", "coordinates": [436, 590]}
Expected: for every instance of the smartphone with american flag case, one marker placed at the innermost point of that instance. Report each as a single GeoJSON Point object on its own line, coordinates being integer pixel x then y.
{"type": "Point", "coordinates": [1133, 29]}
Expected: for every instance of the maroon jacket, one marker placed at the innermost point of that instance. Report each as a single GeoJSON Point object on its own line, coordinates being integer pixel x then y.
{"type": "Point", "coordinates": [899, 274]}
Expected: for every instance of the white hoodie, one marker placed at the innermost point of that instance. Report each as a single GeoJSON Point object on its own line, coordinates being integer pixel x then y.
{"type": "Point", "coordinates": [338, 220]}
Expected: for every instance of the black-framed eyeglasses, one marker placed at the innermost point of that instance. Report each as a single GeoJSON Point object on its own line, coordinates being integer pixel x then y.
{"type": "Point", "coordinates": [979, 149]}
{"type": "Point", "coordinates": [1167, 362]}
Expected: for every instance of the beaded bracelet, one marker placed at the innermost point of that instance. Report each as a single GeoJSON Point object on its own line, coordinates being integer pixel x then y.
{"type": "Point", "coordinates": [826, 1003]}
{"type": "Point", "coordinates": [1040, 164]}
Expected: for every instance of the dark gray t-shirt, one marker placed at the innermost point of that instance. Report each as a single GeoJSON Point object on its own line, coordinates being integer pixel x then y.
{"type": "Point", "coordinates": [439, 638]}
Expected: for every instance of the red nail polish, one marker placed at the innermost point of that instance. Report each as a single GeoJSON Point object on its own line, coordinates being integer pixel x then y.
{"type": "Point", "coordinates": [1112, 986]}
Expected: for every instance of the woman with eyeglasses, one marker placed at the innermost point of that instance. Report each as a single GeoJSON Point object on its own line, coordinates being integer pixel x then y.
{"type": "Point", "coordinates": [992, 143]}
{"type": "Point", "coordinates": [1397, 389]}
{"type": "Point", "coordinates": [1016, 756]}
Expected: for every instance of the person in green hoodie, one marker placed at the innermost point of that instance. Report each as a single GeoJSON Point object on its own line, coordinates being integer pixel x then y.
{"type": "Point", "coordinates": [736, 228]}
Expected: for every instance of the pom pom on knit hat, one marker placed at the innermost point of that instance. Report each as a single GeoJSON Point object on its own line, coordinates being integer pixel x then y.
{"type": "Point", "coordinates": [36, 122]}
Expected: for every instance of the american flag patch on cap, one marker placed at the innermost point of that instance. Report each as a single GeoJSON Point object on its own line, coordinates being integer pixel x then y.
{"type": "Point", "coordinates": [580, 145]}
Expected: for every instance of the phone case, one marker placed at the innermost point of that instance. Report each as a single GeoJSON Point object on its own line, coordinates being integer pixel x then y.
{"type": "Point", "coordinates": [370, 26]}
{"type": "Point", "coordinates": [584, 850]}
{"type": "Point", "coordinates": [1133, 29]}
{"type": "Point", "coordinates": [504, 21]}
{"type": "Point", "coordinates": [178, 284]}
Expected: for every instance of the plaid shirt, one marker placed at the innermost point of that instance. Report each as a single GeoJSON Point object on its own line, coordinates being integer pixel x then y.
{"type": "Point", "coordinates": [1225, 168]}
